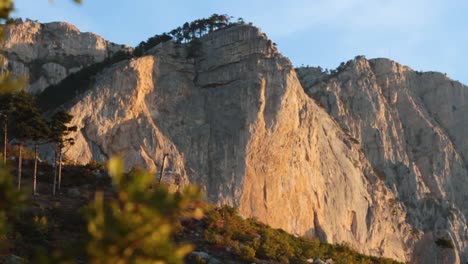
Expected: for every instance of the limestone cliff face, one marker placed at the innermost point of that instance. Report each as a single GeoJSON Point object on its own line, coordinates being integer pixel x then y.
{"type": "Point", "coordinates": [234, 118]}
{"type": "Point", "coordinates": [413, 129]}
{"type": "Point", "coordinates": [47, 53]}
{"type": "Point", "coordinates": [374, 154]}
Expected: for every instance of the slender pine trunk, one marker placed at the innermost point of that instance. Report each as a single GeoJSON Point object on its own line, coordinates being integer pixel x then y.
{"type": "Point", "coordinates": [5, 139]}
{"type": "Point", "coordinates": [20, 161]}
{"type": "Point", "coordinates": [35, 169]}
{"type": "Point", "coordinates": [60, 170]}
{"type": "Point", "coordinates": [162, 168]}
{"type": "Point", "coordinates": [55, 173]}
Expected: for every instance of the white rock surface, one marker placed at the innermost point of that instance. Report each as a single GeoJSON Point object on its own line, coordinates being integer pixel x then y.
{"type": "Point", "coordinates": [413, 129]}
{"type": "Point", "coordinates": [236, 120]}
{"type": "Point", "coordinates": [47, 53]}
{"type": "Point", "coordinates": [380, 164]}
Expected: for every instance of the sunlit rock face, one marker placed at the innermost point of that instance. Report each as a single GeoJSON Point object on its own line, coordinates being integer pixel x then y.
{"type": "Point", "coordinates": [235, 119]}
{"type": "Point", "coordinates": [413, 129]}
{"type": "Point", "coordinates": [45, 54]}
{"type": "Point", "coordinates": [374, 155]}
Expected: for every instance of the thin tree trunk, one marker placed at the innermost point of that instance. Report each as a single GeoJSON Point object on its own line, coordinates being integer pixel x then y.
{"type": "Point", "coordinates": [20, 160]}
{"type": "Point", "coordinates": [35, 169]}
{"type": "Point", "coordinates": [55, 173]}
{"type": "Point", "coordinates": [162, 168]}
{"type": "Point", "coordinates": [60, 170]}
{"type": "Point", "coordinates": [5, 139]}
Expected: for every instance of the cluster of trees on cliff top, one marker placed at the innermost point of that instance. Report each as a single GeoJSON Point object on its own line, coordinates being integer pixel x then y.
{"type": "Point", "coordinates": [76, 83]}
{"type": "Point", "coordinates": [189, 31]}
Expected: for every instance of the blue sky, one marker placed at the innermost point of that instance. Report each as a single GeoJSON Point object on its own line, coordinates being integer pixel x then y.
{"type": "Point", "coordinates": [427, 35]}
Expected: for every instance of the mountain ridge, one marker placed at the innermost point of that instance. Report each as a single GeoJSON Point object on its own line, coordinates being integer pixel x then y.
{"type": "Point", "coordinates": [46, 53]}
{"type": "Point", "coordinates": [236, 118]}
{"type": "Point", "coordinates": [431, 162]}
{"type": "Point", "coordinates": [239, 98]}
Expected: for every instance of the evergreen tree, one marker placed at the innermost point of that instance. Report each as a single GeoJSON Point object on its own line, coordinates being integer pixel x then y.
{"type": "Point", "coordinates": [4, 118]}
{"type": "Point", "coordinates": [188, 32]}
{"type": "Point", "coordinates": [10, 199]}
{"type": "Point", "coordinates": [5, 109]}
{"type": "Point", "coordinates": [22, 115]}
{"type": "Point", "coordinates": [59, 136]}
{"type": "Point", "coordinates": [39, 136]}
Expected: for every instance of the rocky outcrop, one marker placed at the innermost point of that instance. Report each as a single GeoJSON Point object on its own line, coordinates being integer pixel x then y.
{"type": "Point", "coordinates": [45, 54]}
{"type": "Point", "coordinates": [412, 127]}
{"type": "Point", "coordinates": [373, 154]}
{"type": "Point", "coordinates": [233, 117]}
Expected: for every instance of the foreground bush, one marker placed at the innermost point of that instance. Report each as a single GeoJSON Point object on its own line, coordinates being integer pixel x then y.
{"type": "Point", "coordinates": [11, 202]}
{"type": "Point", "coordinates": [137, 225]}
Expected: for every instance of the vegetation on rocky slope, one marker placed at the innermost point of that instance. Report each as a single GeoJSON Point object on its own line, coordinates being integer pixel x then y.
{"type": "Point", "coordinates": [253, 241]}
{"type": "Point", "coordinates": [105, 232]}
{"type": "Point", "coordinates": [134, 221]}
{"type": "Point", "coordinates": [188, 32]}
{"type": "Point", "coordinates": [131, 221]}
{"type": "Point", "coordinates": [76, 83]}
